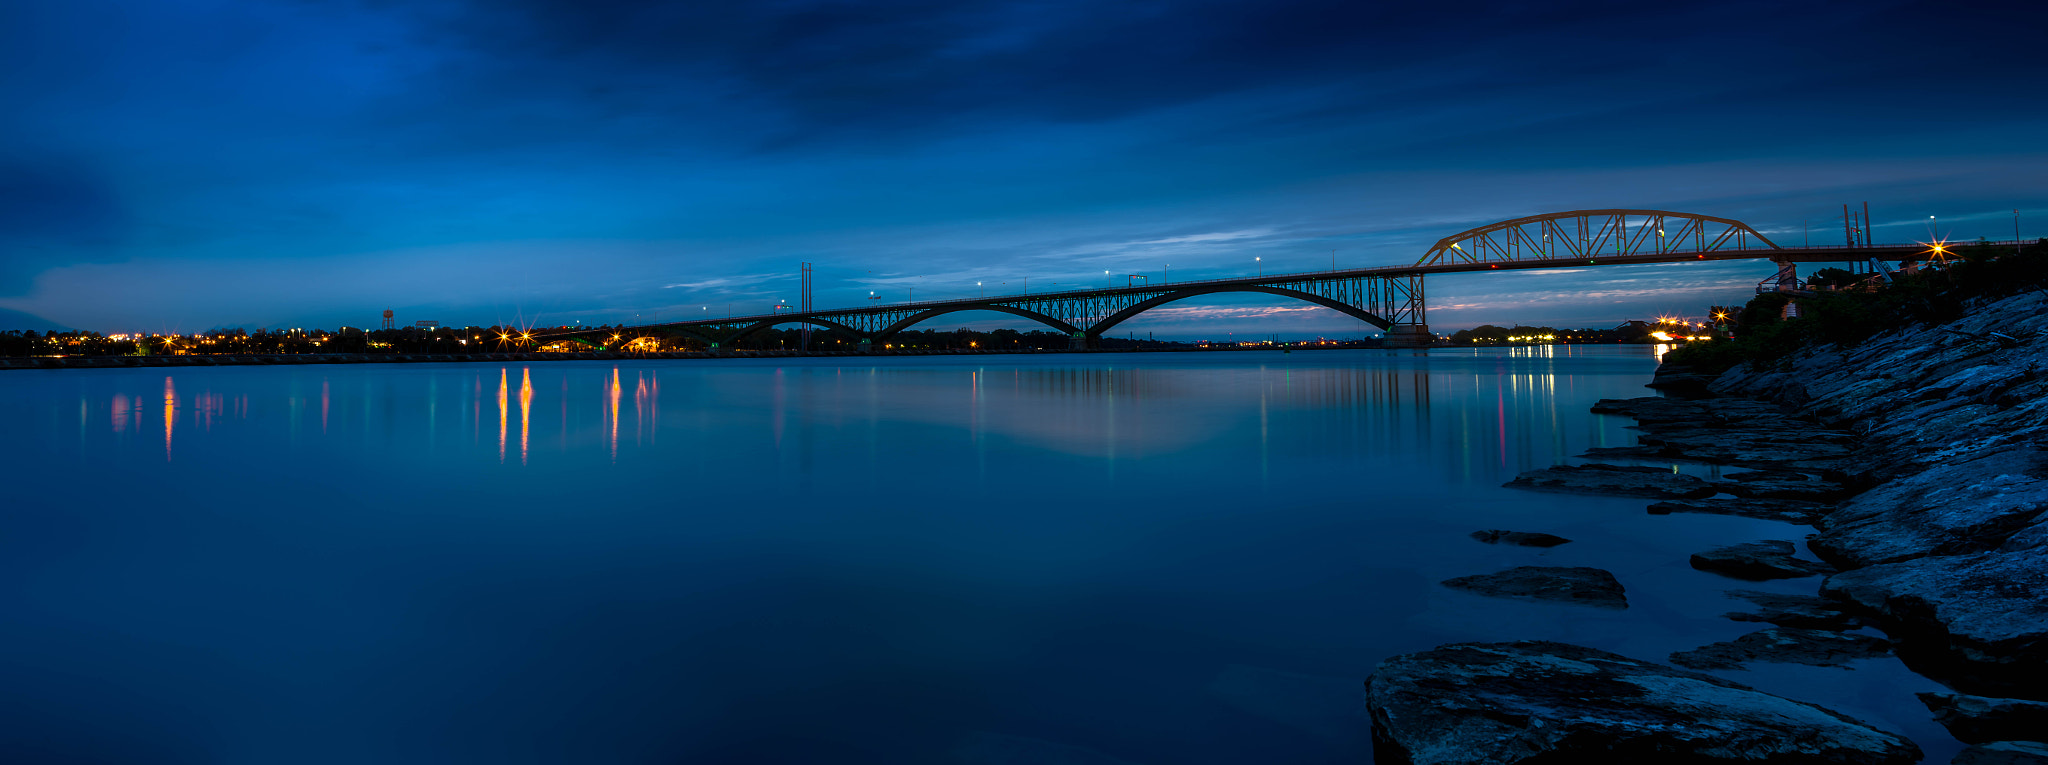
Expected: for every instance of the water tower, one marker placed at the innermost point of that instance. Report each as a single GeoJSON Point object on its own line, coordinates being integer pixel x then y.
{"type": "Point", "coordinates": [387, 318]}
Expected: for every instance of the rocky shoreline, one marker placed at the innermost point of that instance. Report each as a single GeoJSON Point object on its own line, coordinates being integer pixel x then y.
{"type": "Point", "coordinates": [1918, 459]}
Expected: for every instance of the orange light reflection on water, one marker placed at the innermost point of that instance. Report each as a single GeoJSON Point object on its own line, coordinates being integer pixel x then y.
{"type": "Point", "coordinates": [612, 394]}
{"type": "Point", "coordinates": [170, 414]}
{"type": "Point", "coordinates": [525, 409]}
{"type": "Point", "coordinates": [501, 414]}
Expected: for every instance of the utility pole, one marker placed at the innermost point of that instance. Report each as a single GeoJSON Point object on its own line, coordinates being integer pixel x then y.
{"type": "Point", "coordinates": [1866, 224]}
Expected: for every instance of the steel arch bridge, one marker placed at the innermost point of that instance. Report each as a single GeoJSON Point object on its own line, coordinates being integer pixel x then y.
{"type": "Point", "coordinates": [1390, 298]}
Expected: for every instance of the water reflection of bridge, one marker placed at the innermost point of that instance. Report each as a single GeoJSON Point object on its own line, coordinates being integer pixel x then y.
{"type": "Point", "coordinates": [1391, 298]}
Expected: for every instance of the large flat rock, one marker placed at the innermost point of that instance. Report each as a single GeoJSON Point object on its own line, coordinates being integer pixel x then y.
{"type": "Point", "coordinates": [1619, 480]}
{"type": "Point", "coordinates": [1805, 448]}
{"type": "Point", "coordinates": [1794, 611]}
{"type": "Point", "coordinates": [1967, 506]}
{"type": "Point", "coordinates": [2004, 753]}
{"type": "Point", "coordinates": [1542, 702]}
{"type": "Point", "coordinates": [1758, 561]}
{"type": "Point", "coordinates": [1981, 620]}
{"type": "Point", "coordinates": [1519, 538]}
{"type": "Point", "coordinates": [1785, 645]}
{"type": "Point", "coordinates": [1764, 509]}
{"type": "Point", "coordinates": [1577, 585]}
{"type": "Point", "coordinates": [1982, 720]}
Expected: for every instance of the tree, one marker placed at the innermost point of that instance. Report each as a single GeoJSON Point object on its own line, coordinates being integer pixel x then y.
{"type": "Point", "coordinates": [1832, 277]}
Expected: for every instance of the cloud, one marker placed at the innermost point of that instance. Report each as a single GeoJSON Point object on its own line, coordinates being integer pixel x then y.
{"type": "Point", "coordinates": [55, 213]}
{"type": "Point", "coordinates": [661, 149]}
{"type": "Point", "coordinates": [725, 283]}
{"type": "Point", "coordinates": [1219, 236]}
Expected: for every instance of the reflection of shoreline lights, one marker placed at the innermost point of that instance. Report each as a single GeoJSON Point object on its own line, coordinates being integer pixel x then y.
{"type": "Point", "coordinates": [525, 407]}
{"type": "Point", "coordinates": [501, 414]}
{"type": "Point", "coordinates": [612, 393]}
{"type": "Point", "coordinates": [170, 414]}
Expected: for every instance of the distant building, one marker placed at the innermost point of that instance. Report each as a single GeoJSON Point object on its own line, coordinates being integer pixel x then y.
{"type": "Point", "coordinates": [424, 324]}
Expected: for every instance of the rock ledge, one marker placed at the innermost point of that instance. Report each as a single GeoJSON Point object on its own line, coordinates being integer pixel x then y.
{"type": "Point", "coordinates": [1544, 702]}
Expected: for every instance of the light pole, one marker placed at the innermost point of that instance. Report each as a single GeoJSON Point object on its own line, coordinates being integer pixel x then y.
{"type": "Point", "coordinates": [1166, 274]}
{"type": "Point", "coordinates": [1106, 281]}
{"type": "Point", "coordinates": [2015, 232]}
{"type": "Point", "coordinates": [1262, 266]}
{"type": "Point", "coordinates": [979, 291]}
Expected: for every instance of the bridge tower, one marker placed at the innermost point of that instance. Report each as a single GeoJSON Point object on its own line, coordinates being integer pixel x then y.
{"type": "Point", "coordinates": [1413, 333]}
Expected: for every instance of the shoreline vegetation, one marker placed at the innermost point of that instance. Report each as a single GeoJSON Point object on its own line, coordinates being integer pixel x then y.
{"type": "Point", "coordinates": [1901, 430]}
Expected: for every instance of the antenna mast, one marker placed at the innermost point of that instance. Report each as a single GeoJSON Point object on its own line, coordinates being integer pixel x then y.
{"type": "Point", "coordinates": [804, 341]}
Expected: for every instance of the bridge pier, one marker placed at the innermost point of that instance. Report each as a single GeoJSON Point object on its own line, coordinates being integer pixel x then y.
{"type": "Point", "coordinates": [1408, 336]}
{"type": "Point", "coordinates": [866, 345]}
{"type": "Point", "coordinates": [1078, 341]}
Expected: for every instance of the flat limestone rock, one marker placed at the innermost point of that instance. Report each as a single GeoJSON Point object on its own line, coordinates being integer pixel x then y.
{"type": "Point", "coordinates": [1754, 448]}
{"type": "Point", "coordinates": [1801, 489]}
{"type": "Point", "coordinates": [1681, 380]}
{"type": "Point", "coordinates": [1543, 702]}
{"type": "Point", "coordinates": [1804, 611]}
{"type": "Point", "coordinates": [1979, 620]}
{"type": "Point", "coordinates": [1621, 480]}
{"type": "Point", "coordinates": [2004, 753]}
{"type": "Point", "coordinates": [1951, 509]}
{"type": "Point", "coordinates": [1578, 585]}
{"type": "Point", "coordinates": [1627, 453]}
{"type": "Point", "coordinates": [1767, 475]}
{"type": "Point", "coordinates": [1981, 720]}
{"type": "Point", "coordinates": [1785, 645]}
{"type": "Point", "coordinates": [1519, 538]}
{"type": "Point", "coordinates": [1762, 509]}
{"type": "Point", "coordinates": [1653, 409]}
{"type": "Point", "coordinates": [1758, 561]}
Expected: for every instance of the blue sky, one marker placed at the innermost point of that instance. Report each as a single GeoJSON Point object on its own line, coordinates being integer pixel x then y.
{"type": "Point", "coordinates": [187, 165]}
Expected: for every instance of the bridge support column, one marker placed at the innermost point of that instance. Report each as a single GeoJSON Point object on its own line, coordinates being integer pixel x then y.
{"type": "Point", "coordinates": [866, 345]}
{"type": "Point", "coordinates": [1078, 341]}
{"type": "Point", "coordinates": [1409, 336]}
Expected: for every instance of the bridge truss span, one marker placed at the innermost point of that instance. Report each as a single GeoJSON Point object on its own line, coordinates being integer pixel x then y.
{"type": "Point", "coordinates": [1389, 297]}
{"type": "Point", "coordinates": [1595, 234]}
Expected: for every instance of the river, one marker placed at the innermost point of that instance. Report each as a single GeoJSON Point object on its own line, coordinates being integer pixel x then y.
{"type": "Point", "coordinates": [1157, 558]}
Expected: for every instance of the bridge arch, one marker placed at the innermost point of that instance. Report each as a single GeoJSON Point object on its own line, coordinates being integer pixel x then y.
{"type": "Point", "coordinates": [766, 323]}
{"type": "Point", "coordinates": [689, 332]}
{"type": "Point", "coordinates": [913, 319]}
{"type": "Point", "coordinates": [1591, 233]}
{"type": "Point", "coordinates": [1149, 304]}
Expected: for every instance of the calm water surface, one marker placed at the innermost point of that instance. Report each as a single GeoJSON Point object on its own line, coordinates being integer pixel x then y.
{"type": "Point", "coordinates": [1173, 558]}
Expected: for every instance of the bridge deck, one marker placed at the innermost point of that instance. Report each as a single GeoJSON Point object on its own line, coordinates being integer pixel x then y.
{"type": "Point", "coordinates": [1833, 254]}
